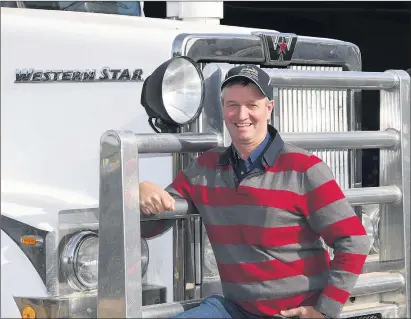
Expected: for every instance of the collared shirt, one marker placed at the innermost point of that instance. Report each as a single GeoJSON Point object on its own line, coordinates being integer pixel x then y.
{"type": "Point", "coordinates": [243, 167]}
{"type": "Point", "coordinates": [264, 155]}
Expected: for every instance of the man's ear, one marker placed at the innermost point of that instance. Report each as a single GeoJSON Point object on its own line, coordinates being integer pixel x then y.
{"type": "Point", "coordinates": [270, 106]}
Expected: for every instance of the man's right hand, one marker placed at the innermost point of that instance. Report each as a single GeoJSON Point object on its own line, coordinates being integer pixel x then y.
{"type": "Point", "coordinates": [154, 199]}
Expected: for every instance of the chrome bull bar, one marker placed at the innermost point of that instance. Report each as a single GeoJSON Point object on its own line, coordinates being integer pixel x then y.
{"type": "Point", "coordinates": [84, 305]}
{"type": "Point", "coordinates": [119, 274]}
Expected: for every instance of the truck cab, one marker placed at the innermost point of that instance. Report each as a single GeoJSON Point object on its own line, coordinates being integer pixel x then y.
{"type": "Point", "coordinates": [96, 97]}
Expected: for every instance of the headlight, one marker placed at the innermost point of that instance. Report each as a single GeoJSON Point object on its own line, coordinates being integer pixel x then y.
{"type": "Point", "coordinates": [182, 90]}
{"type": "Point", "coordinates": [86, 262]}
{"type": "Point", "coordinates": [144, 256]}
{"type": "Point", "coordinates": [79, 260]}
{"type": "Point", "coordinates": [174, 92]}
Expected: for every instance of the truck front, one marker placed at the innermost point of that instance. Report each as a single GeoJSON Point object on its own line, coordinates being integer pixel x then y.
{"type": "Point", "coordinates": [68, 77]}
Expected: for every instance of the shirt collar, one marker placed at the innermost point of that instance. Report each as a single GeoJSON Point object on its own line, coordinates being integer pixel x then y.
{"type": "Point", "coordinates": [270, 152]}
{"type": "Point", "coordinates": [256, 154]}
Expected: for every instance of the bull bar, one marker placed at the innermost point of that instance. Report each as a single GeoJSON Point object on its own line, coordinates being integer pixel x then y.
{"type": "Point", "coordinates": [119, 273]}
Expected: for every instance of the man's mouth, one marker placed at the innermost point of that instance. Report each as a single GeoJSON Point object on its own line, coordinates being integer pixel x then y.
{"type": "Point", "coordinates": [242, 125]}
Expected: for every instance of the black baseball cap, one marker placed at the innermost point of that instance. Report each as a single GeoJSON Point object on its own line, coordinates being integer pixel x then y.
{"type": "Point", "coordinates": [252, 73]}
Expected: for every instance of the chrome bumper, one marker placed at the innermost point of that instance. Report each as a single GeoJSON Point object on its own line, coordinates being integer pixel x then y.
{"type": "Point", "coordinates": [84, 305]}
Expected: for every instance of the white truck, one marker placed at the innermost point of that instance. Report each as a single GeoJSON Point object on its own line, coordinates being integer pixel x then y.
{"type": "Point", "coordinates": [96, 97]}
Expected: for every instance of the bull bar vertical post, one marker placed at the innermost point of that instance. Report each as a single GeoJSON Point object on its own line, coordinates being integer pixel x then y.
{"type": "Point", "coordinates": [119, 272]}
{"type": "Point", "coordinates": [395, 234]}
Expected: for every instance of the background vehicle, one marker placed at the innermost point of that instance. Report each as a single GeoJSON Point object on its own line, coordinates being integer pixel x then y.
{"type": "Point", "coordinates": [68, 77]}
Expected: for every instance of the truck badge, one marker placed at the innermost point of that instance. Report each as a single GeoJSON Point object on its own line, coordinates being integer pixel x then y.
{"type": "Point", "coordinates": [76, 76]}
{"type": "Point", "coordinates": [279, 47]}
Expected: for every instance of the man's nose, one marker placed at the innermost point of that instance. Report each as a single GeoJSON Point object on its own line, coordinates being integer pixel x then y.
{"type": "Point", "coordinates": [242, 113]}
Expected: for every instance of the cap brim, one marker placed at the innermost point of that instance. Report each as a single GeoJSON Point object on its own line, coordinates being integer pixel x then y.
{"type": "Point", "coordinates": [229, 79]}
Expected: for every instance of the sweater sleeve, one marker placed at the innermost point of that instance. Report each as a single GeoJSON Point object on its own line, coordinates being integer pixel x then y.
{"type": "Point", "coordinates": [329, 214]}
{"type": "Point", "coordinates": [181, 187]}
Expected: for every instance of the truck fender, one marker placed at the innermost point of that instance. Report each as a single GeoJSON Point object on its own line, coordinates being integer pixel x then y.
{"type": "Point", "coordinates": [18, 278]}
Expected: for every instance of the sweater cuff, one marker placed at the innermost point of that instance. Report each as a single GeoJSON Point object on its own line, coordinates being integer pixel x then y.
{"type": "Point", "coordinates": [329, 307]}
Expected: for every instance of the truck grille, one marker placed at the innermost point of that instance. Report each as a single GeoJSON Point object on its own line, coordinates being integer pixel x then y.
{"type": "Point", "coordinates": [317, 110]}
{"type": "Point", "coordinates": [369, 316]}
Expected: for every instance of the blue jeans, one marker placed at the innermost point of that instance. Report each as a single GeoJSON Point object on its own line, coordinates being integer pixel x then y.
{"type": "Point", "coordinates": [218, 307]}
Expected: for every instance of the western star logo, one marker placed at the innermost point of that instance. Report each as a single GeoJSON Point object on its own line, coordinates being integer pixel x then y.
{"type": "Point", "coordinates": [83, 76]}
{"type": "Point", "coordinates": [281, 47]}
{"type": "Point", "coordinates": [278, 47]}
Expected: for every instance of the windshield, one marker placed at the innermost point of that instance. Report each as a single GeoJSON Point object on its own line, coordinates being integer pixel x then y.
{"type": "Point", "coordinates": [131, 8]}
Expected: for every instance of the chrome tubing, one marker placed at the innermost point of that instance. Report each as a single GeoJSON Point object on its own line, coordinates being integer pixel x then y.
{"type": "Point", "coordinates": [285, 78]}
{"type": "Point", "coordinates": [344, 140]}
{"type": "Point", "coordinates": [177, 143]}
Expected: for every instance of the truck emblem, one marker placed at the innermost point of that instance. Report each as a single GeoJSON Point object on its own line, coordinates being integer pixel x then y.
{"type": "Point", "coordinates": [82, 76]}
{"type": "Point", "coordinates": [279, 47]}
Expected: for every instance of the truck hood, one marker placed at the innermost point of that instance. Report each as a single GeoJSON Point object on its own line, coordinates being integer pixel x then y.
{"type": "Point", "coordinates": [51, 131]}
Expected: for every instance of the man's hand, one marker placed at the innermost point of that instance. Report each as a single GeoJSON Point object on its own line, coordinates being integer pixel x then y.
{"type": "Point", "coordinates": [303, 312]}
{"type": "Point", "coordinates": [154, 199]}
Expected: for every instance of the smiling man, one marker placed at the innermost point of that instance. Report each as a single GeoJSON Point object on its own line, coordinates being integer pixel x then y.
{"type": "Point", "coordinates": [265, 205]}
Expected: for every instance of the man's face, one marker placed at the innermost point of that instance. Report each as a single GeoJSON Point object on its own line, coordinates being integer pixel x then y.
{"type": "Point", "coordinates": [245, 113]}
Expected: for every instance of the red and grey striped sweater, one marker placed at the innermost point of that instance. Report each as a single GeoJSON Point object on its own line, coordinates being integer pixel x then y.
{"type": "Point", "coordinates": [265, 231]}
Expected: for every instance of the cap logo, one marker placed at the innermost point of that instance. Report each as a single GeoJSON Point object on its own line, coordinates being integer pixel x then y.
{"type": "Point", "coordinates": [250, 73]}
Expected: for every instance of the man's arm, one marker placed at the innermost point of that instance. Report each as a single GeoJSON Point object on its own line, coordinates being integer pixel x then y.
{"type": "Point", "coordinates": [180, 188]}
{"type": "Point", "coordinates": [329, 214]}
{"type": "Point", "coordinates": [154, 199]}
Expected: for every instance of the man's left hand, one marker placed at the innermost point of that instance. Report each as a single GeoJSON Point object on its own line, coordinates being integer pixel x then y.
{"type": "Point", "coordinates": [303, 312]}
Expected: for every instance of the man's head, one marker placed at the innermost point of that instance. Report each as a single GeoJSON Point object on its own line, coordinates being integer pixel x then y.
{"type": "Point", "coordinates": [247, 103]}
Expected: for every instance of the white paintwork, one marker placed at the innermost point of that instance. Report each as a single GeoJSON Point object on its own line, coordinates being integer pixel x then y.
{"type": "Point", "coordinates": [200, 12]}
{"type": "Point", "coordinates": [18, 278]}
{"type": "Point", "coordinates": [50, 133]}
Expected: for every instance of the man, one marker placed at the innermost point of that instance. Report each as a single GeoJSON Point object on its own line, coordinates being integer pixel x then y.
{"type": "Point", "coordinates": [265, 204]}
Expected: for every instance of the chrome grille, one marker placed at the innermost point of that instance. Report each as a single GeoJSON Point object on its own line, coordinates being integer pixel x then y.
{"type": "Point", "coordinates": [317, 110]}
{"type": "Point", "coordinates": [369, 316]}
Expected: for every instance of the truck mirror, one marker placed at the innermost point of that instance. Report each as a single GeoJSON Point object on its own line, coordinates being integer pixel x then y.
{"type": "Point", "coordinates": [173, 94]}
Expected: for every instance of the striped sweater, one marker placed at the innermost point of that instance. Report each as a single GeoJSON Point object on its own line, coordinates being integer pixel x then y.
{"type": "Point", "coordinates": [265, 230]}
